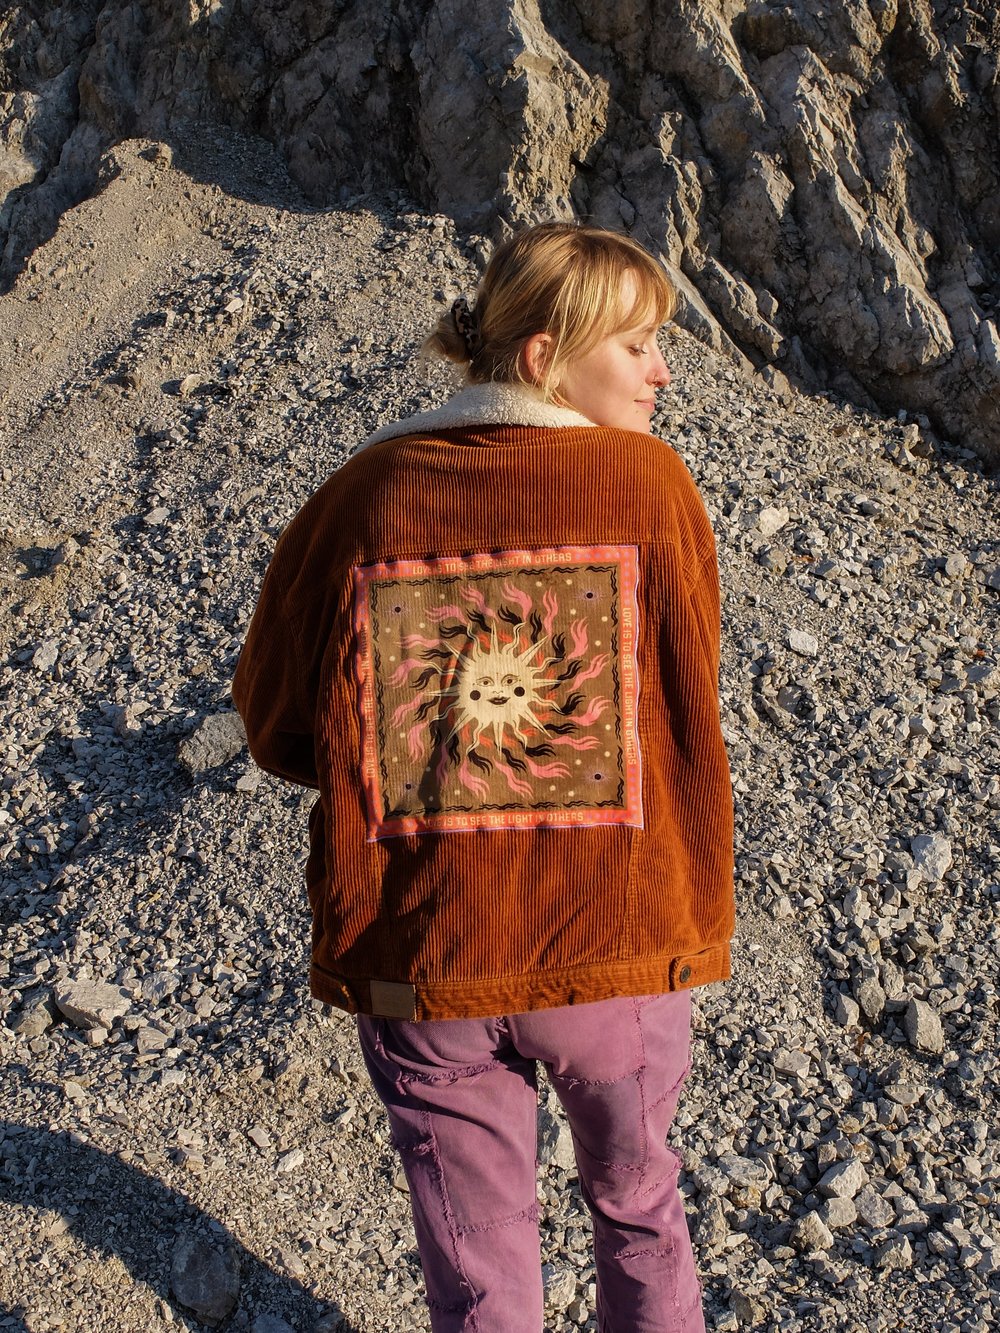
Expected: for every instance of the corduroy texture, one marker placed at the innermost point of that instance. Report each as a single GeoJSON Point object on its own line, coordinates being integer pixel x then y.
{"type": "Point", "coordinates": [502, 921]}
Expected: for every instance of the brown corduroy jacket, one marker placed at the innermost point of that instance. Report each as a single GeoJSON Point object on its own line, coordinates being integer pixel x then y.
{"type": "Point", "coordinates": [494, 649]}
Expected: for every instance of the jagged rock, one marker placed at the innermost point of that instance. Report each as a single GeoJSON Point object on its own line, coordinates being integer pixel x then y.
{"type": "Point", "coordinates": [874, 1210]}
{"type": "Point", "coordinates": [559, 1285]}
{"type": "Point", "coordinates": [36, 1016]}
{"type": "Point", "coordinates": [204, 1279]}
{"type": "Point", "coordinates": [695, 127]}
{"type": "Point", "coordinates": [772, 520]}
{"type": "Point", "coordinates": [844, 1179]}
{"type": "Point", "coordinates": [214, 742]}
{"type": "Point", "coordinates": [870, 997]}
{"type": "Point", "coordinates": [837, 1213]}
{"type": "Point", "coordinates": [712, 1227]}
{"type": "Point", "coordinates": [329, 1323]}
{"type": "Point", "coordinates": [931, 855]}
{"type": "Point", "coordinates": [158, 986]}
{"type": "Point", "coordinates": [896, 1252]}
{"type": "Point", "coordinates": [555, 1141]}
{"type": "Point", "coordinates": [794, 1064]}
{"type": "Point", "coordinates": [810, 1232]}
{"type": "Point", "coordinates": [923, 1027]}
{"type": "Point", "coordinates": [90, 1004]}
{"type": "Point", "coordinates": [45, 655]}
{"type": "Point", "coordinates": [270, 1323]}
{"type": "Point", "coordinates": [803, 643]}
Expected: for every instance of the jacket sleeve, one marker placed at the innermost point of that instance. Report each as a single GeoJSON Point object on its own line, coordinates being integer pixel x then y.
{"type": "Point", "coordinates": [269, 688]}
{"type": "Point", "coordinates": [706, 605]}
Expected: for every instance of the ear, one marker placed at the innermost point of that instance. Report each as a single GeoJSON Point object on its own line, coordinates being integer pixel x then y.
{"type": "Point", "coordinates": [536, 352]}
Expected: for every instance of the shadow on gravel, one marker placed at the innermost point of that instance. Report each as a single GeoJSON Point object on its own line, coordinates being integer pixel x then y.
{"type": "Point", "coordinates": [118, 1211]}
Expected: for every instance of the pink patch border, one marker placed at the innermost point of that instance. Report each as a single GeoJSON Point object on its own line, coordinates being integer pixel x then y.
{"type": "Point", "coordinates": [626, 557]}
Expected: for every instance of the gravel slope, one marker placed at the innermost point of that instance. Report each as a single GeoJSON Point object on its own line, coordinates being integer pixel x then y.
{"type": "Point", "coordinates": [191, 354]}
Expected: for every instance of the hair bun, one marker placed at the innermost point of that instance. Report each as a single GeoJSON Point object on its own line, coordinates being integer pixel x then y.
{"type": "Point", "coordinates": [465, 321]}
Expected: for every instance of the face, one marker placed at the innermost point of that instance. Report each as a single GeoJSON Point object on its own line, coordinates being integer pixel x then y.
{"type": "Point", "coordinates": [498, 687]}
{"type": "Point", "coordinates": [615, 383]}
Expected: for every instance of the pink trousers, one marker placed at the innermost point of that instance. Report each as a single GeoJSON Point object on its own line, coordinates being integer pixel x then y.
{"type": "Point", "coordinates": [461, 1099]}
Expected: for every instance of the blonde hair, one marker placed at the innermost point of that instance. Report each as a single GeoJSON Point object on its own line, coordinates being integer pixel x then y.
{"type": "Point", "coordinates": [561, 279]}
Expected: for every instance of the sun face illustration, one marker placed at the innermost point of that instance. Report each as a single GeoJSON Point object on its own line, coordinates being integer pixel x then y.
{"type": "Point", "coordinates": [501, 686]}
{"type": "Point", "coordinates": [495, 689]}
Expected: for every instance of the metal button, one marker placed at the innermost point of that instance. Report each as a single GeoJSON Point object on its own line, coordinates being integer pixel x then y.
{"type": "Point", "coordinates": [684, 974]}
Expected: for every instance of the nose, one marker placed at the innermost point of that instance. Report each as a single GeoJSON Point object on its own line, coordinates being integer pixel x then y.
{"type": "Point", "coordinates": [659, 371]}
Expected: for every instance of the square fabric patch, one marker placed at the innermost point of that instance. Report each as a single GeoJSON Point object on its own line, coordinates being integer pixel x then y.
{"type": "Point", "coordinates": [499, 690]}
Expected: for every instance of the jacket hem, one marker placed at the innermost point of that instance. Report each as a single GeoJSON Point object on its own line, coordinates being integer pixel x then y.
{"type": "Point", "coordinates": [491, 996]}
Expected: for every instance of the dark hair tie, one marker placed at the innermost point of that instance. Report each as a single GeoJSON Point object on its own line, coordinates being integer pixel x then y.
{"type": "Point", "coordinates": [465, 321]}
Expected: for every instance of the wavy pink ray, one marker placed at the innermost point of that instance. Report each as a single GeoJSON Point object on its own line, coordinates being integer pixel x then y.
{"type": "Point", "coordinates": [418, 641]}
{"type": "Point", "coordinates": [553, 770]}
{"type": "Point", "coordinates": [595, 669]}
{"type": "Point", "coordinates": [595, 710]}
{"type": "Point", "coordinates": [551, 607]}
{"type": "Point", "coordinates": [472, 780]}
{"type": "Point", "coordinates": [579, 631]}
{"type": "Point", "coordinates": [477, 599]}
{"type": "Point", "coordinates": [513, 781]}
{"type": "Point", "coordinates": [574, 742]}
{"type": "Point", "coordinates": [413, 738]}
{"type": "Point", "coordinates": [398, 677]}
{"type": "Point", "coordinates": [439, 612]}
{"type": "Point", "coordinates": [520, 599]}
{"type": "Point", "coordinates": [403, 709]}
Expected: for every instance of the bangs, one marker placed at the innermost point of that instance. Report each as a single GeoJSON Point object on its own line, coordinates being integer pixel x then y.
{"type": "Point", "coordinates": [654, 301]}
{"type": "Point", "coordinates": [590, 306]}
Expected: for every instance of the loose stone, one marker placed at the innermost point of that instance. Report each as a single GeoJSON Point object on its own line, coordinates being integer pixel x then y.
{"type": "Point", "coordinates": [923, 1027]}
{"type": "Point", "coordinates": [215, 741]}
{"type": "Point", "coordinates": [204, 1279]}
{"type": "Point", "coordinates": [843, 1180]}
{"type": "Point", "coordinates": [90, 1004]}
{"type": "Point", "coordinates": [810, 1232]}
{"type": "Point", "coordinates": [931, 855]}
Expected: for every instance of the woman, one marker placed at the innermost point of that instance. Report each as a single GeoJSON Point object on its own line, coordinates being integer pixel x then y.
{"type": "Point", "coordinates": [491, 642]}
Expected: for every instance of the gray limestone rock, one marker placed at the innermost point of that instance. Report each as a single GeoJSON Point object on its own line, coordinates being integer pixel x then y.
{"type": "Point", "coordinates": [795, 1064]}
{"type": "Point", "coordinates": [803, 643]}
{"type": "Point", "coordinates": [90, 1004]}
{"type": "Point", "coordinates": [896, 1252]}
{"type": "Point", "coordinates": [811, 1233]}
{"type": "Point", "coordinates": [45, 655]}
{"type": "Point", "coordinates": [205, 1279]}
{"type": "Point", "coordinates": [555, 1141]}
{"type": "Point", "coordinates": [874, 1210]}
{"type": "Point", "coordinates": [923, 1027]}
{"type": "Point", "coordinates": [844, 1179]}
{"type": "Point", "coordinates": [870, 997]}
{"type": "Point", "coordinates": [215, 741]}
{"type": "Point", "coordinates": [35, 1017]}
{"type": "Point", "coordinates": [712, 1227]}
{"type": "Point", "coordinates": [772, 519]}
{"type": "Point", "coordinates": [847, 1011]}
{"type": "Point", "coordinates": [270, 1323]}
{"type": "Point", "coordinates": [158, 986]}
{"type": "Point", "coordinates": [559, 1285]}
{"type": "Point", "coordinates": [931, 855]}
{"type": "Point", "coordinates": [329, 1323]}
{"type": "Point", "coordinates": [838, 1213]}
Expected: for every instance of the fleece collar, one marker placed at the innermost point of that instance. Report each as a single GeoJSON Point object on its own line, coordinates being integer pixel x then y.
{"type": "Point", "coordinates": [484, 405]}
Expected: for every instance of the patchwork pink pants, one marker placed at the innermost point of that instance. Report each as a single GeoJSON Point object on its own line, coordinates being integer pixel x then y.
{"type": "Point", "coordinates": [461, 1098]}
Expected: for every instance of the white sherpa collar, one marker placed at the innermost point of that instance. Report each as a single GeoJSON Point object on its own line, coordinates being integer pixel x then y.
{"type": "Point", "coordinates": [484, 405]}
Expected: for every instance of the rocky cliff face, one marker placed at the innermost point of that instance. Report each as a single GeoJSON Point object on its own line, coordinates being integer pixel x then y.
{"type": "Point", "coordinates": [823, 176]}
